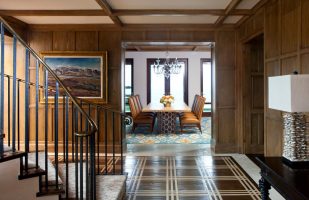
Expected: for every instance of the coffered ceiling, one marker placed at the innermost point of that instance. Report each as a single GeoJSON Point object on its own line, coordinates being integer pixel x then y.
{"type": "Point", "coordinates": [131, 12]}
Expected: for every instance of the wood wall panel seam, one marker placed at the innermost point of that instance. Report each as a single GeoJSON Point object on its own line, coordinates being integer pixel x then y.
{"type": "Point", "coordinates": [299, 36]}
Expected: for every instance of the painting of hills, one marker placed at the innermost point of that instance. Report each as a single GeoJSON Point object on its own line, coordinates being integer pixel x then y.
{"type": "Point", "coordinates": [82, 75]}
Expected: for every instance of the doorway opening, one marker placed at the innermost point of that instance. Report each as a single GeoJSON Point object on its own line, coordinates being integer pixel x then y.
{"type": "Point", "coordinates": [194, 78]}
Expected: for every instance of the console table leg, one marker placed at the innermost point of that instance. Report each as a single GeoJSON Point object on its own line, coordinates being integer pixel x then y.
{"type": "Point", "coordinates": [264, 188]}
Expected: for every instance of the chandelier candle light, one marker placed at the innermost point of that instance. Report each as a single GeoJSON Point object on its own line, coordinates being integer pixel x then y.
{"type": "Point", "coordinates": [168, 67]}
{"type": "Point", "coordinates": [167, 100]}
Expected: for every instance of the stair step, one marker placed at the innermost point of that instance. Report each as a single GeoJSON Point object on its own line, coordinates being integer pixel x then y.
{"type": "Point", "coordinates": [30, 173]}
{"type": "Point", "coordinates": [111, 187]}
{"type": "Point", "coordinates": [9, 155]}
{"type": "Point", "coordinates": [51, 173]}
{"type": "Point", "coordinates": [50, 191]}
{"type": "Point", "coordinates": [6, 148]}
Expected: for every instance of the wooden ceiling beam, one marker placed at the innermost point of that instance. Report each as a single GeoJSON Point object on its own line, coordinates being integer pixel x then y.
{"type": "Point", "coordinates": [216, 12]}
{"type": "Point", "coordinates": [106, 7]}
{"type": "Point", "coordinates": [53, 13]}
{"type": "Point", "coordinates": [134, 12]}
{"type": "Point", "coordinates": [254, 10]}
{"type": "Point", "coordinates": [12, 20]}
{"type": "Point", "coordinates": [258, 6]}
{"type": "Point", "coordinates": [228, 10]}
{"type": "Point", "coordinates": [131, 27]}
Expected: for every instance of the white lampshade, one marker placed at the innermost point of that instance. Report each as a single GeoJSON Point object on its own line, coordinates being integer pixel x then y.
{"type": "Point", "coordinates": [289, 93]}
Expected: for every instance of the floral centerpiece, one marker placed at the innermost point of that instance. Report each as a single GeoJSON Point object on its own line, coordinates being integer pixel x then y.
{"type": "Point", "coordinates": [166, 100]}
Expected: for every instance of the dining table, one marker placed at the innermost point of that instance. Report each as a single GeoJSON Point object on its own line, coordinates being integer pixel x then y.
{"type": "Point", "coordinates": [167, 115]}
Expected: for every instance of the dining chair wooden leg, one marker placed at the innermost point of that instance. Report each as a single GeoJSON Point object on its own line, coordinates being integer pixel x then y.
{"type": "Point", "coordinates": [133, 127]}
{"type": "Point", "coordinates": [199, 126]}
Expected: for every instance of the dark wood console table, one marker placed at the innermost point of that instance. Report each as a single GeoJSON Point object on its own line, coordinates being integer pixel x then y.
{"type": "Point", "coordinates": [290, 183]}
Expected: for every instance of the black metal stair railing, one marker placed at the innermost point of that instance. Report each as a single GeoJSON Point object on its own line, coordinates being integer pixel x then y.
{"type": "Point", "coordinates": [18, 106]}
{"type": "Point", "coordinates": [108, 155]}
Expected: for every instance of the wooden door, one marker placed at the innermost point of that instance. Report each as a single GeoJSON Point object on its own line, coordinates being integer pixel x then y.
{"type": "Point", "coordinates": [254, 96]}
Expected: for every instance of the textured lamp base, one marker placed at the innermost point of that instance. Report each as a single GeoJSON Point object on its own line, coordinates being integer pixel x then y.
{"type": "Point", "coordinates": [295, 150]}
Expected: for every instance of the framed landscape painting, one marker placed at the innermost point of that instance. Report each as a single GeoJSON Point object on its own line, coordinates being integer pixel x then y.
{"type": "Point", "coordinates": [83, 73]}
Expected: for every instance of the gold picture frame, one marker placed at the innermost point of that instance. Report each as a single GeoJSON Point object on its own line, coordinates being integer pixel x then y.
{"type": "Point", "coordinates": [83, 73]}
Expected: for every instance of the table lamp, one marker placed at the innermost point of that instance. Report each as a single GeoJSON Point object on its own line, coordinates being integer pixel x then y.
{"type": "Point", "coordinates": [290, 94]}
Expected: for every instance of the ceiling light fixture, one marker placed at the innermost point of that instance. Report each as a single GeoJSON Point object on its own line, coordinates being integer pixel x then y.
{"type": "Point", "coordinates": [168, 67]}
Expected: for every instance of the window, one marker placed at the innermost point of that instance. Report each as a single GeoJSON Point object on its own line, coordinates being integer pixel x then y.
{"type": "Point", "coordinates": [128, 82]}
{"type": "Point", "coordinates": [176, 84]}
{"type": "Point", "coordinates": [206, 71]}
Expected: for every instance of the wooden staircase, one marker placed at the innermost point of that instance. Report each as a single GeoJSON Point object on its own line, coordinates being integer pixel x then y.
{"type": "Point", "coordinates": [16, 183]}
{"type": "Point", "coordinates": [32, 164]}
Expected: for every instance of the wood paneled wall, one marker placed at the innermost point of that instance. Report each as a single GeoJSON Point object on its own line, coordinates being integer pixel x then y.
{"type": "Point", "coordinates": [224, 134]}
{"type": "Point", "coordinates": [225, 137]}
{"type": "Point", "coordinates": [286, 38]}
{"type": "Point", "coordinates": [286, 50]}
{"type": "Point", "coordinates": [84, 41]}
{"type": "Point", "coordinates": [49, 40]}
{"type": "Point", "coordinates": [285, 26]}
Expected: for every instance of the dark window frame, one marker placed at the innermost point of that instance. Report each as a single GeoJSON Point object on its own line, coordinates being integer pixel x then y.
{"type": "Point", "coordinates": [150, 61]}
{"type": "Point", "coordinates": [202, 60]}
{"type": "Point", "coordinates": [130, 61]}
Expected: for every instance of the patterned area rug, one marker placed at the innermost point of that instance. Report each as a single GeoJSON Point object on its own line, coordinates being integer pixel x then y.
{"type": "Point", "coordinates": [188, 178]}
{"type": "Point", "coordinates": [191, 135]}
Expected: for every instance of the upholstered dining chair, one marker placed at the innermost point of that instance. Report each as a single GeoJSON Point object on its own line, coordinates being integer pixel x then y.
{"type": "Point", "coordinates": [140, 119]}
{"type": "Point", "coordinates": [139, 106]}
{"type": "Point", "coordinates": [194, 104]}
{"type": "Point", "coordinates": [194, 117]}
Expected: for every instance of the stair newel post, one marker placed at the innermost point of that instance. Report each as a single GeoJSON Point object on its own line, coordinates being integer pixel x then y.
{"type": "Point", "coordinates": [98, 138]}
{"type": "Point", "coordinates": [18, 114]}
{"type": "Point", "coordinates": [105, 139]}
{"type": "Point", "coordinates": [26, 108]}
{"type": "Point", "coordinates": [9, 110]}
{"type": "Point", "coordinates": [113, 134]}
{"type": "Point", "coordinates": [14, 97]}
{"type": "Point", "coordinates": [87, 150]}
{"type": "Point", "coordinates": [46, 125]}
{"type": "Point", "coordinates": [2, 90]}
{"type": "Point", "coordinates": [121, 145]}
{"type": "Point", "coordinates": [81, 166]}
{"type": "Point", "coordinates": [81, 117]}
{"type": "Point", "coordinates": [63, 128]}
{"type": "Point", "coordinates": [92, 171]}
{"type": "Point", "coordinates": [73, 130]}
{"type": "Point", "coordinates": [67, 145]}
{"type": "Point", "coordinates": [76, 153]}
{"type": "Point", "coordinates": [56, 109]}
{"type": "Point", "coordinates": [37, 114]}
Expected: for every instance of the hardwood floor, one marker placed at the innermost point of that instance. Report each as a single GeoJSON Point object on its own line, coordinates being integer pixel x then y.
{"type": "Point", "coordinates": [185, 172]}
{"type": "Point", "coordinates": [187, 177]}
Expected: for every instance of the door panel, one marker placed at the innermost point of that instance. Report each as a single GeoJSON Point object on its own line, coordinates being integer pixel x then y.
{"type": "Point", "coordinates": [254, 96]}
